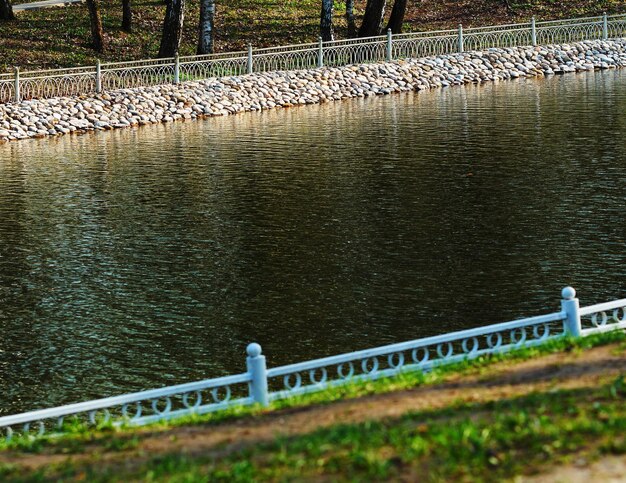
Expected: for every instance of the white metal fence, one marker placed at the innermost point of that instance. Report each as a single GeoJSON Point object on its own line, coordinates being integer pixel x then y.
{"type": "Point", "coordinates": [260, 385]}
{"type": "Point", "coordinates": [41, 84]}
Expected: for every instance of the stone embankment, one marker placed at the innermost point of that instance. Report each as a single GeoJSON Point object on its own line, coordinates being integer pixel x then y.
{"type": "Point", "coordinates": [254, 92]}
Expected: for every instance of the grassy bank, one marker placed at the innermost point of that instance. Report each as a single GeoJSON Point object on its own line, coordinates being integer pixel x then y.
{"type": "Point", "coordinates": [484, 442]}
{"type": "Point", "coordinates": [60, 37]}
{"type": "Point", "coordinates": [486, 420]}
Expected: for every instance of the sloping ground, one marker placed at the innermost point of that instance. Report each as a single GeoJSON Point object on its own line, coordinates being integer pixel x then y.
{"type": "Point", "coordinates": [568, 382]}
{"type": "Point", "coordinates": [60, 37]}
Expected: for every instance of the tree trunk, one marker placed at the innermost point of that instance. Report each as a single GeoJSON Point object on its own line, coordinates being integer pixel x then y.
{"type": "Point", "coordinates": [205, 27]}
{"type": "Point", "coordinates": [326, 21]}
{"type": "Point", "coordinates": [350, 18]}
{"type": "Point", "coordinates": [6, 10]}
{"type": "Point", "coordinates": [397, 17]}
{"type": "Point", "coordinates": [97, 34]}
{"type": "Point", "coordinates": [172, 28]}
{"type": "Point", "coordinates": [127, 16]}
{"type": "Point", "coordinates": [373, 18]}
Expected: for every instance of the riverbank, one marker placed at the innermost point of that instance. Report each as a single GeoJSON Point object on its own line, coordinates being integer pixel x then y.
{"type": "Point", "coordinates": [60, 37]}
{"type": "Point", "coordinates": [261, 91]}
{"type": "Point", "coordinates": [537, 414]}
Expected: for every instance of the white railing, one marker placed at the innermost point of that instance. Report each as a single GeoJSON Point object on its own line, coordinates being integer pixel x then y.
{"type": "Point", "coordinates": [418, 355]}
{"type": "Point", "coordinates": [596, 319]}
{"type": "Point", "coordinates": [18, 85]}
{"type": "Point", "coordinates": [260, 386]}
{"type": "Point", "coordinates": [138, 408]}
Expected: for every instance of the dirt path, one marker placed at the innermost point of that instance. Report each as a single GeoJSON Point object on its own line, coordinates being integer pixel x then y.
{"type": "Point", "coordinates": [44, 4]}
{"type": "Point", "coordinates": [504, 380]}
{"type": "Point", "coordinates": [611, 469]}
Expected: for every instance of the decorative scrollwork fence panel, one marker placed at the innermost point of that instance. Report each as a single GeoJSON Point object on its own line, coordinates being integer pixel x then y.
{"type": "Point", "coordinates": [205, 69]}
{"type": "Point", "coordinates": [304, 58]}
{"type": "Point", "coordinates": [616, 26]}
{"type": "Point", "coordinates": [7, 90]}
{"type": "Point", "coordinates": [125, 78]}
{"type": "Point", "coordinates": [72, 84]}
{"type": "Point", "coordinates": [499, 38]}
{"type": "Point", "coordinates": [339, 54]}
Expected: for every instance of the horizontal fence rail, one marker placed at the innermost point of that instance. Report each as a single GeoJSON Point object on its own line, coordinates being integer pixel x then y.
{"type": "Point", "coordinates": [261, 386]}
{"type": "Point", "coordinates": [44, 84]}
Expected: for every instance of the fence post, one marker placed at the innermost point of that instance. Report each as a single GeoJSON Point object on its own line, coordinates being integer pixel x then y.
{"type": "Point", "coordinates": [176, 70]}
{"type": "Point", "coordinates": [98, 77]}
{"type": "Point", "coordinates": [257, 368]}
{"type": "Point", "coordinates": [389, 45]}
{"type": "Point", "coordinates": [17, 85]}
{"type": "Point", "coordinates": [605, 26]}
{"type": "Point", "coordinates": [249, 58]}
{"type": "Point", "coordinates": [571, 307]}
{"type": "Point", "coordinates": [461, 46]}
{"type": "Point", "coordinates": [533, 31]}
{"type": "Point", "coordinates": [320, 53]}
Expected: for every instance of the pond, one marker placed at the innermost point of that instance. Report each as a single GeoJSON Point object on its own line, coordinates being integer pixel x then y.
{"type": "Point", "coordinates": [140, 258]}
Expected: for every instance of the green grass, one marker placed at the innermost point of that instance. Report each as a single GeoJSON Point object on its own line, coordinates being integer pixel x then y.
{"type": "Point", "coordinates": [76, 434]}
{"type": "Point", "coordinates": [497, 444]}
{"type": "Point", "coordinates": [478, 442]}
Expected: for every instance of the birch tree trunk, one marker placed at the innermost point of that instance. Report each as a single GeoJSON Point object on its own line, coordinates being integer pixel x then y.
{"type": "Point", "coordinates": [326, 21]}
{"type": "Point", "coordinates": [127, 16]}
{"type": "Point", "coordinates": [373, 18]}
{"type": "Point", "coordinates": [172, 28]}
{"type": "Point", "coordinates": [97, 33]}
{"type": "Point", "coordinates": [6, 10]}
{"type": "Point", "coordinates": [397, 17]}
{"type": "Point", "coordinates": [205, 27]}
{"type": "Point", "coordinates": [350, 18]}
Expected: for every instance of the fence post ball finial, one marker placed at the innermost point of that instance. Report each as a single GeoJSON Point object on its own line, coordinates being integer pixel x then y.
{"type": "Point", "coordinates": [568, 293]}
{"type": "Point", "coordinates": [253, 350]}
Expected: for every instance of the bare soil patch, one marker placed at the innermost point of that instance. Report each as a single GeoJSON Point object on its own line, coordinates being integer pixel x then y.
{"type": "Point", "coordinates": [610, 469]}
{"type": "Point", "coordinates": [566, 370]}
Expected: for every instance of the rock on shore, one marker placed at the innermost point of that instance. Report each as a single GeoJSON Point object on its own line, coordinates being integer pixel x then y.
{"type": "Point", "coordinates": [253, 92]}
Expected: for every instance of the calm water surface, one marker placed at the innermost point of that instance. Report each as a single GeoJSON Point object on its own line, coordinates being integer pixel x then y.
{"type": "Point", "coordinates": [136, 259]}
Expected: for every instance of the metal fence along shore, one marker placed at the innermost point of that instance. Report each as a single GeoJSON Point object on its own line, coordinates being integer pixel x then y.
{"type": "Point", "coordinates": [42, 84]}
{"type": "Point", "coordinates": [260, 385]}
